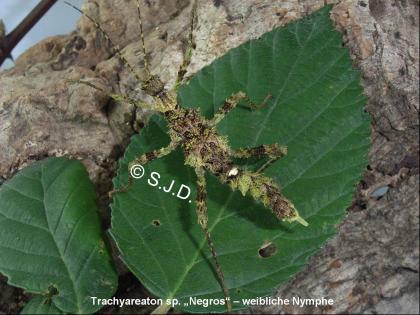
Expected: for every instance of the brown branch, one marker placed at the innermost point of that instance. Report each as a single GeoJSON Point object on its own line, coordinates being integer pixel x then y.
{"type": "Point", "coordinates": [9, 42]}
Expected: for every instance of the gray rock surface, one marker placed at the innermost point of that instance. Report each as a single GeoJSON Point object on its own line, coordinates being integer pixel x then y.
{"type": "Point", "coordinates": [372, 264]}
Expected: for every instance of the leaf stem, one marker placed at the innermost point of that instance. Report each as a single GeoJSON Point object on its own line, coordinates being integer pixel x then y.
{"type": "Point", "coordinates": [162, 309]}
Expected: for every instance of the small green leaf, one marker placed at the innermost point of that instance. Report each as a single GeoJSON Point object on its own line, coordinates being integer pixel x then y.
{"type": "Point", "coordinates": [316, 110]}
{"type": "Point", "coordinates": [50, 235]}
{"type": "Point", "coordinates": [39, 305]}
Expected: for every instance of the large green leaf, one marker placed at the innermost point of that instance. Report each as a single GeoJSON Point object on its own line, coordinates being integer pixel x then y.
{"type": "Point", "coordinates": [50, 235]}
{"type": "Point", "coordinates": [316, 109]}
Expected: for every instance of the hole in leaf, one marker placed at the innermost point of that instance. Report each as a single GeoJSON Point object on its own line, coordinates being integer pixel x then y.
{"type": "Point", "coordinates": [267, 250]}
{"type": "Point", "coordinates": [156, 223]}
{"type": "Point", "coordinates": [50, 293]}
{"type": "Point", "coordinates": [52, 290]}
{"type": "Point", "coordinates": [238, 291]}
{"type": "Point", "coordinates": [140, 125]}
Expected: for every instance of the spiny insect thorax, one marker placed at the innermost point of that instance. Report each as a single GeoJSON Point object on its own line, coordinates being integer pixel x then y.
{"type": "Point", "coordinates": [203, 147]}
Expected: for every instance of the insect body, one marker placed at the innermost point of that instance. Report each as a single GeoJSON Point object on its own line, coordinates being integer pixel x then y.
{"type": "Point", "coordinates": [205, 149]}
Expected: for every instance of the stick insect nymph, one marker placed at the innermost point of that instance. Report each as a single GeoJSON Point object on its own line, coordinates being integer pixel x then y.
{"type": "Point", "coordinates": [204, 148]}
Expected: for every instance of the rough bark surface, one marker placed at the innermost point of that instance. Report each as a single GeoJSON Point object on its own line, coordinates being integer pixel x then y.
{"type": "Point", "coordinates": [372, 264]}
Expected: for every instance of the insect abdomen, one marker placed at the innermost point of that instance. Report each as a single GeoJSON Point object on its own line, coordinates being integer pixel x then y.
{"type": "Point", "coordinates": [268, 193]}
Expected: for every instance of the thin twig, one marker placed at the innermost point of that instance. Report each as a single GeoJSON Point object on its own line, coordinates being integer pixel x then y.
{"type": "Point", "coordinates": [9, 42]}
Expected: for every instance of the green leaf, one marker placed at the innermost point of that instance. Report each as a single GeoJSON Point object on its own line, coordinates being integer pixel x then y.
{"type": "Point", "coordinates": [316, 110]}
{"type": "Point", "coordinates": [39, 305]}
{"type": "Point", "coordinates": [50, 235]}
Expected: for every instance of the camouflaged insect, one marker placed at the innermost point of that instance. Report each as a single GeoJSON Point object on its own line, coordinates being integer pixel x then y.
{"type": "Point", "coordinates": [205, 149]}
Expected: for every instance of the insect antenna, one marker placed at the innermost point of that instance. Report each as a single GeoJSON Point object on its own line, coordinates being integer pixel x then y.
{"type": "Point", "coordinates": [143, 46]}
{"type": "Point", "coordinates": [191, 46]}
{"type": "Point", "coordinates": [114, 47]}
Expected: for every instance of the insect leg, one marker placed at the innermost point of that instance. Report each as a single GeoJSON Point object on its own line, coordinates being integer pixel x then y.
{"type": "Point", "coordinates": [143, 46]}
{"type": "Point", "coordinates": [152, 83]}
{"type": "Point", "coordinates": [272, 151]}
{"type": "Point", "coordinates": [232, 101]}
{"type": "Point", "coordinates": [253, 106]}
{"type": "Point", "coordinates": [144, 159]}
{"type": "Point", "coordinates": [201, 209]}
{"type": "Point", "coordinates": [191, 46]}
